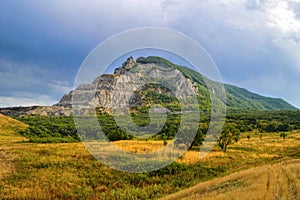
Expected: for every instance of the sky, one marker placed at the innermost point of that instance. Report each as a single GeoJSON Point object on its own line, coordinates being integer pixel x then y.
{"type": "Point", "coordinates": [254, 43]}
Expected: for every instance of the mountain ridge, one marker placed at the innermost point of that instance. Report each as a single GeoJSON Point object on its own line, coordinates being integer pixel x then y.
{"type": "Point", "coordinates": [232, 91]}
{"type": "Point", "coordinates": [237, 98]}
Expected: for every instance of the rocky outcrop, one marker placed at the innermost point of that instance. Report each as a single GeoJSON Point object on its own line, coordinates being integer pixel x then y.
{"type": "Point", "coordinates": [110, 92]}
{"type": "Point", "coordinates": [114, 92]}
{"type": "Point", "coordinates": [37, 110]}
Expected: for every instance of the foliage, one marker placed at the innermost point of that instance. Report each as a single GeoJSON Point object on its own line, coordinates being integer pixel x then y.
{"type": "Point", "coordinates": [110, 128]}
{"type": "Point", "coordinates": [44, 129]}
{"type": "Point", "coordinates": [264, 121]}
{"type": "Point", "coordinates": [243, 99]}
{"type": "Point", "coordinates": [228, 135]}
{"type": "Point", "coordinates": [165, 142]}
{"type": "Point", "coordinates": [237, 98]}
{"type": "Point", "coordinates": [248, 137]}
{"type": "Point", "coordinates": [62, 129]}
{"type": "Point", "coordinates": [199, 138]}
{"type": "Point", "coordinates": [283, 135]}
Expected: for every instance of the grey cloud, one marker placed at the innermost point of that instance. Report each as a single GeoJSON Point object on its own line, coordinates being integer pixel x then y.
{"type": "Point", "coordinates": [236, 34]}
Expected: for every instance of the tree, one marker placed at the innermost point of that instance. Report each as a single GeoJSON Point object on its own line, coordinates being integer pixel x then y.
{"type": "Point", "coordinates": [199, 138]}
{"type": "Point", "coordinates": [165, 142]}
{"type": "Point", "coordinates": [248, 137]}
{"type": "Point", "coordinates": [283, 135]}
{"type": "Point", "coordinates": [115, 135]}
{"type": "Point", "coordinates": [271, 127]}
{"type": "Point", "coordinates": [283, 127]}
{"type": "Point", "coordinates": [228, 135]}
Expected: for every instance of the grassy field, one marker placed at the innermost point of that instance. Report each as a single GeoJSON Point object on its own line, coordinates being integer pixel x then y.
{"type": "Point", "coordinates": [276, 181]}
{"type": "Point", "coordinates": [68, 171]}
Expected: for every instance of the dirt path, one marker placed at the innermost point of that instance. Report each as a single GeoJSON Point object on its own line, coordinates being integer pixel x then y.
{"type": "Point", "coordinates": [278, 181]}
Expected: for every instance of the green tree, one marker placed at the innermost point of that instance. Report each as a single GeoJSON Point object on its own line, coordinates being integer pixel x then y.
{"type": "Point", "coordinates": [271, 127]}
{"type": "Point", "coordinates": [248, 137]}
{"type": "Point", "coordinates": [283, 135]}
{"type": "Point", "coordinates": [283, 127]}
{"type": "Point", "coordinates": [198, 139]}
{"type": "Point", "coordinates": [165, 142]}
{"type": "Point", "coordinates": [228, 135]}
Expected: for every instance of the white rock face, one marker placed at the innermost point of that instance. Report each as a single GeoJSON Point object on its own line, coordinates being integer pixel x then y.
{"type": "Point", "coordinates": [114, 92]}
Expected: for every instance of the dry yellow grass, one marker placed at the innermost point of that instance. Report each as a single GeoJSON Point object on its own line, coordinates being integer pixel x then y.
{"type": "Point", "coordinates": [282, 179]}
{"type": "Point", "coordinates": [8, 123]}
{"type": "Point", "coordinates": [278, 181]}
{"type": "Point", "coordinates": [8, 129]}
{"type": "Point", "coordinates": [47, 181]}
{"type": "Point", "coordinates": [140, 147]}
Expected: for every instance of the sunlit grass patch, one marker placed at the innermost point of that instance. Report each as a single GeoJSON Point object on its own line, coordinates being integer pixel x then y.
{"type": "Point", "coordinates": [136, 146]}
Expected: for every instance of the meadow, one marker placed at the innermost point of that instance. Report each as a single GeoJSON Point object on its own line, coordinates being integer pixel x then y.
{"type": "Point", "coordinates": [69, 171]}
{"type": "Point", "coordinates": [274, 181]}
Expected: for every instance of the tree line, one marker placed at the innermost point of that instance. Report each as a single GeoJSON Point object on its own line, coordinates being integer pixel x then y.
{"type": "Point", "coordinates": [62, 129]}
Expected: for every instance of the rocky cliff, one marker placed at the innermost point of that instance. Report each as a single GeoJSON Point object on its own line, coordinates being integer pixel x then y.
{"type": "Point", "coordinates": [116, 92]}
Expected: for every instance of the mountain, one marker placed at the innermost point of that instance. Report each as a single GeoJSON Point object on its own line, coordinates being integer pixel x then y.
{"type": "Point", "coordinates": [129, 83]}
{"type": "Point", "coordinates": [117, 86]}
{"type": "Point", "coordinates": [236, 97]}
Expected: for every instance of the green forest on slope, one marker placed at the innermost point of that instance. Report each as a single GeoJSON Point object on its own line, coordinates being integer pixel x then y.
{"type": "Point", "coordinates": [236, 97]}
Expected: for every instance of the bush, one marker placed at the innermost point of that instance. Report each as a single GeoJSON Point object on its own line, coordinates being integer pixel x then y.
{"type": "Point", "coordinates": [49, 129]}
{"type": "Point", "coordinates": [283, 135]}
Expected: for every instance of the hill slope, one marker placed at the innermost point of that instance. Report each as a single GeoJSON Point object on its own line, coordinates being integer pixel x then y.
{"type": "Point", "coordinates": [8, 133]}
{"type": "Point", "coordinates": [9, 128]}
{"type": "Point", "coordinates": [277, 181]}
{"type": "Point", "coordinates": [237, 98]}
